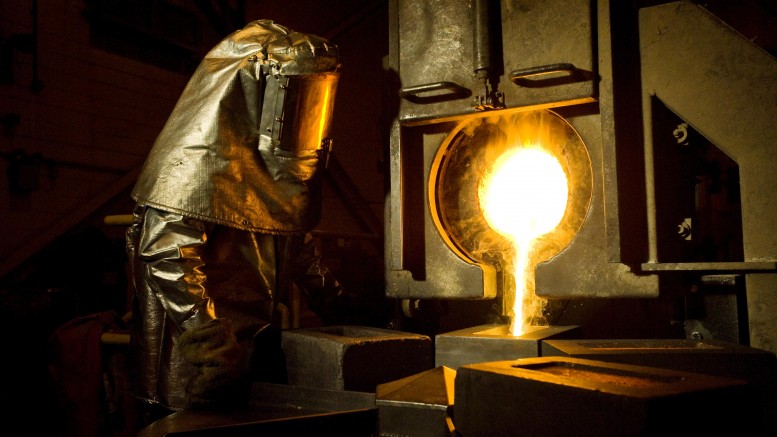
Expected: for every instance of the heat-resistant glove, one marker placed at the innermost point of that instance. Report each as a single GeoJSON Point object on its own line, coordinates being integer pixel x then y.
{"type": "Point", "coordinates": [221, 370]}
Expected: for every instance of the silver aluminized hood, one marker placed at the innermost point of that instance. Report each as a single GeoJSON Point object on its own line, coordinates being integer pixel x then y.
{"type": "Point", "coordinates": [221, 157]}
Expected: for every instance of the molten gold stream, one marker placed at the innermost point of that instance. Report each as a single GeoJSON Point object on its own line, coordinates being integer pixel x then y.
{"type": "Point", "coordinates": [523, 197]}
{"type": "Point", "coordinates": [511, 191]}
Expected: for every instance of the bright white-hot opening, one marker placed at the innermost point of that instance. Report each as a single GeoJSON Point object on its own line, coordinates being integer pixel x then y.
{"type": "Point", "coordinates": [525, 194]}
{"type": "Point", "coordinates": [523, 197]}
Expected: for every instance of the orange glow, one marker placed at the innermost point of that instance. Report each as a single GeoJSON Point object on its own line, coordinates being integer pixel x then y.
{"type": "Point", "coordinates": [315, 102]}
{"type": "Point", "coordinates": [523, 197]}
{"type": "Point", "coordinates": [323, 123]}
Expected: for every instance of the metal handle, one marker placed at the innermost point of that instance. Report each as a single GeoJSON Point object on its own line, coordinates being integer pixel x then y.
{"type": "Point", "coordinates": [454, 90]}
{"type": "Point", "coordinates": [516, 76]}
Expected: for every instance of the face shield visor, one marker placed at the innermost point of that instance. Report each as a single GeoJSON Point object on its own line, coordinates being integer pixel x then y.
{"type": "Point", "coordinates": [247, 140]}
{"type": "Point", "coordinates": [300, 117]}
{"type": "Point", "coordinates": [312, 101]}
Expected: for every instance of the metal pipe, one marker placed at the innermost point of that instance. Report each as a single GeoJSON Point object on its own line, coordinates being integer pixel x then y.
{"type": "Point", "coordinates": [650, 183]}
{"type": "Point", "coordinates": [481, 53]}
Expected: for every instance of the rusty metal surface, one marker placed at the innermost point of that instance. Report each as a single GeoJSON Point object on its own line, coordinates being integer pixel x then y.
{"type": "Point", "coordinates": [559, 396]}
{"type": "Point", "coordinates": [355, 358]}
{"type": "Point", "coordinates": [485, 343]}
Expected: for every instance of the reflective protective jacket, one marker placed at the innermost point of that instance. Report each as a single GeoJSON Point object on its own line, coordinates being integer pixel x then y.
{"type": "Point", "coordinates": [225, 197]}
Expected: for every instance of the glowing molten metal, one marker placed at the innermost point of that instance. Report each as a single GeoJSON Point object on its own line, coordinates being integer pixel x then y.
{"type": "Point", "coordinates": [523, 197]}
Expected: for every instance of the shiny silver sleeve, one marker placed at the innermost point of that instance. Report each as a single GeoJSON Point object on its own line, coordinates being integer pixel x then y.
{"type": "Point", "coordinates": [169, 253]}
{"type": "Point", "coordinates": [187, 272]}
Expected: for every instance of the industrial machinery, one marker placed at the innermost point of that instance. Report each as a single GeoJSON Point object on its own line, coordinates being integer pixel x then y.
{"type": "Point", "coordinates": [661, 117]}
{"type": "Point", "coordinates": [658, 118]}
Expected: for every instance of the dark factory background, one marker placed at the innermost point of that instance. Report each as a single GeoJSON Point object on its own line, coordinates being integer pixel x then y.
{"type": "Point", "coordinates": [85, 87]}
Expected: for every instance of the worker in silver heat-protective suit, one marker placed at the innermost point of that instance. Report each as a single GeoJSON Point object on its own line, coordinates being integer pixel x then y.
{"type": "Point", "coordinates": [224, 201]}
